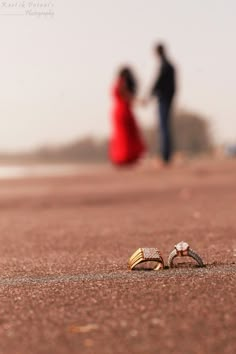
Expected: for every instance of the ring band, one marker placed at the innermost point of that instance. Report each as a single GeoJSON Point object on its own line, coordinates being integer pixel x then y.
{"type": "Point", "coordinates": [146, 255]}
{"type": "Point", "coordinates": [182, 249]}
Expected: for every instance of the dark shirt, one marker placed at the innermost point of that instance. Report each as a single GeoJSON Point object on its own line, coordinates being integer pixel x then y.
{"type": "Point", "coordinates": [164, 86]}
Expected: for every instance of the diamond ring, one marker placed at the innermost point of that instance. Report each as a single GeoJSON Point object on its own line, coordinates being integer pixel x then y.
{"type": "Point", "coordinates": [150, 256]}
{"type": "Point", "coordinates": [182, 249]}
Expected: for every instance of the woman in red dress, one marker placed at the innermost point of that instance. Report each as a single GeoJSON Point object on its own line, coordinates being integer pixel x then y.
{"type": "Point", "coordinates": [126, 144]}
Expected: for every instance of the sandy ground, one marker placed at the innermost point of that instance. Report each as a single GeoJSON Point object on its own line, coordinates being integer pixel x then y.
{"type": "Point", "coordinates": [64, 247]}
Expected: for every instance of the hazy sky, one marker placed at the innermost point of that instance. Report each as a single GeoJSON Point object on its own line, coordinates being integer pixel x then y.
{"type": "Point", "coordinates": [56, 71]}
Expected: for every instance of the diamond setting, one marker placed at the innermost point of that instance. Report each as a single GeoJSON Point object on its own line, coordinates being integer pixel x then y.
{"type": "Point", "coordinates": [150, 253]}
{"type": "Point", "coordinates": [182, 247]}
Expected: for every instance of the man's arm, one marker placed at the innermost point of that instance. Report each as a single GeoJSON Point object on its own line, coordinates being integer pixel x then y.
{"type": "Point", "coordinates": [158, 83]}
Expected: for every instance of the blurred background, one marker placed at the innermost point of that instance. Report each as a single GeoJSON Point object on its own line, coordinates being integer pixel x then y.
{"type": "Point", "coordinates": [58, 61]}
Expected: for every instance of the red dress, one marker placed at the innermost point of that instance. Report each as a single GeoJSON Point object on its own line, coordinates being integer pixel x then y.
{"type": "Point", "coordinates": [126, 145]}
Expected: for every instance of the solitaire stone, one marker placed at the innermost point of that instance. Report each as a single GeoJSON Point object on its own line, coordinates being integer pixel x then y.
{"type": "Point", "coordinates": [182, 246]}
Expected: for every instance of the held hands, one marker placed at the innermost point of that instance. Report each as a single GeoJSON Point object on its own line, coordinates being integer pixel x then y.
{"type": "Point", "coordinates": [142, 101]}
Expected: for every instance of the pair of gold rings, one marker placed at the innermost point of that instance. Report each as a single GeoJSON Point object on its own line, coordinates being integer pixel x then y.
{"type": "Point", "coordinates": [151, 258]}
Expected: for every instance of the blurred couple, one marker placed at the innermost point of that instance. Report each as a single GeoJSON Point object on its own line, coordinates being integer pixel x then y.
{"type": "Point", "coordinates": [127, 145]}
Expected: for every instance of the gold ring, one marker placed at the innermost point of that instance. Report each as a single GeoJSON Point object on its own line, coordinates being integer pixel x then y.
{"type": "Point", "coordinates": [149, 256]}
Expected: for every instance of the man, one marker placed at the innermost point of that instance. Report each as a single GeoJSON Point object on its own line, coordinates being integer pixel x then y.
{"type": "Point", "coordinates": [164, 90]}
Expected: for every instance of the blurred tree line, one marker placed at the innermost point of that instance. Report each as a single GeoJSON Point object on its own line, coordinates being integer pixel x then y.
{"type": "Point", "coordinates": [191, 136]}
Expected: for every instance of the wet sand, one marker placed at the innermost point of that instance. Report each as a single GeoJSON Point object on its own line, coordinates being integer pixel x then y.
{"type": "Point", "coordinates": [64, 246]}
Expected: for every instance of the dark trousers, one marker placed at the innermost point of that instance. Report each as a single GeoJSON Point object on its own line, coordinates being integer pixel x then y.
{"type": "Point", "coordinates": [165, 129]}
